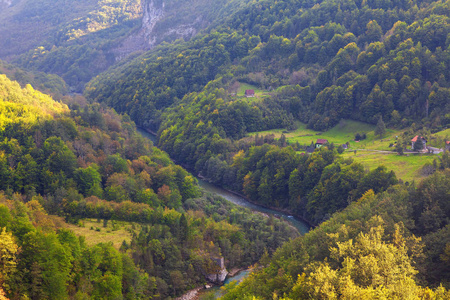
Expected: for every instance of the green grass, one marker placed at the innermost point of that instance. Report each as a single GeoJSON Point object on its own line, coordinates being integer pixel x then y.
{"type": "Point", "coordinates": [340, 134]}
{"type": "Point", "coordinates": [259, 93]}
{"type": "Point", "coordinates": [405, 167]}
{"type": "Point", "coordinates": [443, 134]}
{"type": "Point", "coordinates": [106, 234]}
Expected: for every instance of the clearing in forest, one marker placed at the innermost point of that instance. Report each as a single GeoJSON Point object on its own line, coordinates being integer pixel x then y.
{"type": "Point", "coordinates": [96, 232]}
{"type": "Point", "coordinates": [259, 93]}
{"type": "Point", "coordinates": [407, 167]}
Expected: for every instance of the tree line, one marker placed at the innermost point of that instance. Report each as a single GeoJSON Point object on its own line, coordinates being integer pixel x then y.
{"type": "Point", "coordinates": [391, 244]}
{"type": "Point", "coordinates": [61, 164]}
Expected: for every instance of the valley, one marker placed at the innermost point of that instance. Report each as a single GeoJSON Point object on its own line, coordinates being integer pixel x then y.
{"type": "Point", "coordinates": [240, 200]}
{"type": "Point", "coordinates": [264, 113]}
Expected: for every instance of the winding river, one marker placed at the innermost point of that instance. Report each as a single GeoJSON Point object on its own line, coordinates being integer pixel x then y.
{"type": "Point", "coordinates": [301, 226]}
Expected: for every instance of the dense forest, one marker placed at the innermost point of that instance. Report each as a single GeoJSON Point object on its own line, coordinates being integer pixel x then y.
{"type": "Point", "coordinates": [61, 164]}
{"type": "Point", "coordinates": [71, 40]}
{"type": "Point", "coordinates": [81, 39]}
{"type": "Point", "coordinates": [312, 56]}
{"type": "Point", "coordinates": [49, 84]}
{"type": "Point", "coordinates": [384, 246]}
{"type": "Point", "coordinates": [320, 68]}
{"type": "Point", "coordinates": [315, 63]}
{"type": "Point", "coordinates": [320, 62]}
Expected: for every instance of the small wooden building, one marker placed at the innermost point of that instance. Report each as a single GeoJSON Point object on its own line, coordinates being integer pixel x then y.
{"type": "Point", "coordinates": [419, 139]}
{"type": "Point", "coordinates": [320, 143]}
{"type": "Point", "coordinates": [249, 93]}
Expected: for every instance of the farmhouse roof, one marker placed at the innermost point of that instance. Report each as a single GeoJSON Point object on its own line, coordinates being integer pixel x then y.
{"type": "Point", "coordinates": [321, 141]}
{"type": "Point", "coordinates": [416, 138]}
{"type": "Point", "coordinates": [249, 92]}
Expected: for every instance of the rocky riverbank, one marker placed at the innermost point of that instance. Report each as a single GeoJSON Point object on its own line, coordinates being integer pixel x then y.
{"type": "Point", "coordinates": [190, 295]}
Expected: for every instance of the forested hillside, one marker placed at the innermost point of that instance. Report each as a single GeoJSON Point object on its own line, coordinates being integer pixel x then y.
{"type": "Point", "coordinates": [384, 246]}
{"type": "Point", "coordinates": [374, 59]}
{"type": "Point", "coordinates": [49, 84]}
{"type": "Point", "coordinates": [319, 65]}
{"type": "Point", "coordinates": [68, 38]}
{"type": "Point", "coordinates": [312, 63]}
{"type": "Point", "coordinates": [60, 165]}
{"type": "Point", "coordinates": [79, 39]}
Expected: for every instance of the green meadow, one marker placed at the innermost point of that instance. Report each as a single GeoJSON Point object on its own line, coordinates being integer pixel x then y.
{"type": "Point", "coordinates": [340, 134]}
{"type": "Point", "coordinates": [95, 232]}
{"type": "Point", "coordinates": [443, 134]}
{"type": "Point", "coordinates": [406, 167]}
{"type": "Point", "coordinates": [259, 93]}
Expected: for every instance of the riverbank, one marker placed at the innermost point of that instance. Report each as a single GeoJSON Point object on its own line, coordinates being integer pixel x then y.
{"type": "Point", "coordinates": [300, 226]}
{"type": "Point", "coordinates": [233, 272]}
{"type": "Point", "coordinates": [191, 295]}
{"type": "Point", "coordinates": [148, 131]}
{"type": "Point", "coordinates": [237, 274]}
{"type": "Point", "coordinates": [299, 222]}
{"type": "Point", "coordinates": [280, 210]}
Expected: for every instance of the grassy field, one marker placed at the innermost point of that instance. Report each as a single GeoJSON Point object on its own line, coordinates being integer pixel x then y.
{"type": "Point", "coordinates": [340, 134]}
{"type": "Point", "coordinates": [444, 133]}
{"type": "Point", "coordinates": [95, 233]}
{"type": "Point", "coordinates": [405, 167]}
{"type": "Point", "coordinates": [258, 92]}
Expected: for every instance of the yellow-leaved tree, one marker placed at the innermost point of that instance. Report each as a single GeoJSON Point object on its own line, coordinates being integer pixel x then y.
{"type": "Point", "coordinates": [2, 295]}
{"type": "Point", "coordinates": [366, 267]}
{"type": "Point", "coordinates": [8, 251]}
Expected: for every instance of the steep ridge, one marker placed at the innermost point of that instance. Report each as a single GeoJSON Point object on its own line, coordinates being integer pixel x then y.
{"type": "Point", "coordinates": [314, 62]}
{"type": "Point", "coordinates": [61, 165]}
{"type": "Point", "coordinates": [389, 64]}
{"type": "Point", "coordinates": [79, 40]}
{"type": "Point", "coordinates": [141, 40]}
{"type": "Point", "coordinates": [146, 37]}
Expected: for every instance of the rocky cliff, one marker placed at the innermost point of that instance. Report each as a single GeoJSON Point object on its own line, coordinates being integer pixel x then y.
{"type": "Point", "coordinates": [156, 27]}
{"type": "Point", "coordinates": [219, 276]}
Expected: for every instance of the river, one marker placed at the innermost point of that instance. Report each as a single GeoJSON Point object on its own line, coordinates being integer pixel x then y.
{"type": "Point", "coordinates": [301, 226]}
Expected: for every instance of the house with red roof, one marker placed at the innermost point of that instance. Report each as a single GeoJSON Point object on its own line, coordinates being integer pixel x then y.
{"type": "Point", "coordinates": [320, 143]}
{"type": "Point", "coordinates": [419, 139]}
{"type": "Point", "coordinates": [249, 93]}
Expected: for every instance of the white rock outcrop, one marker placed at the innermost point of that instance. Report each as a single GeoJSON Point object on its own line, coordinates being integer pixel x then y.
{"type": "Point", "coordinates": [218, 277]}
{"type": "Point", "coordinates": [145, 38]}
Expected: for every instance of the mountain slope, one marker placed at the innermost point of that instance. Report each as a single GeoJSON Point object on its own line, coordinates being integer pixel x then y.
{"type": "Point", "coordinates": [26, 105]}
{"type": "Point", "coordinates": [312, 62]}
{"type": "Point", "coordinates": [59, 164]}
{"type": "Point", "coordinates": [50, 84]}
{"type": "Point", "coordinates": [79, 39]}
{"type": "Point", "coordinates": [371, 249]}
{"type": "Point", "coordinates": [396, 61]}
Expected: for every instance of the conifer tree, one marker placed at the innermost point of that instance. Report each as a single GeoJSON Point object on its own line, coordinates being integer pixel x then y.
{"type": "Point", "coordinates": [380, 130]}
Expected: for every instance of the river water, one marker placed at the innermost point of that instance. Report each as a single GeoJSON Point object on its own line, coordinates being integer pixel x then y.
{"type": "Point", "coordinates": [301, 226]}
